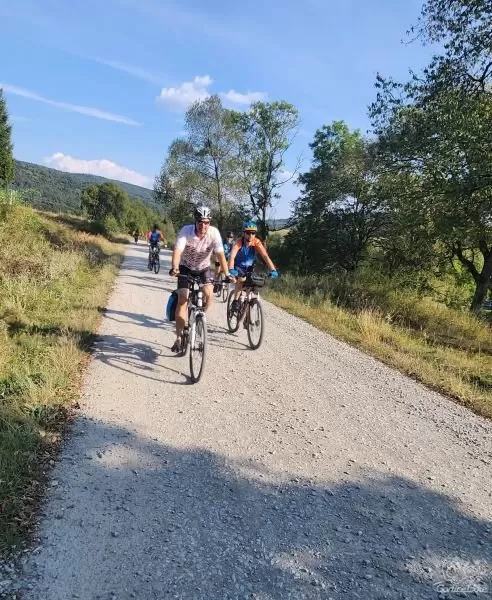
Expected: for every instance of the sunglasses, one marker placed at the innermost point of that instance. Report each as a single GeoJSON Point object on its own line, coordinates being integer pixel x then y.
{"type": "Point", "coordinates": [250, 232]}
{"type": "Point", "coordinates": [203, 222]}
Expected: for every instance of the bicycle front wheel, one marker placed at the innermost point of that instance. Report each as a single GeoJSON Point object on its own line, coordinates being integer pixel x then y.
{"type": "Point", "coordinates": [198, 348]}
{"type": "Point", "coordinates": [157, 265]}
{"type": "Point", "coordinates": [256, 324]}
{"type": "Point", "coordinates": [225, 291]}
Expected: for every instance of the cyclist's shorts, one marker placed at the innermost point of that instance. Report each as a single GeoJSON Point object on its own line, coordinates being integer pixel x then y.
{"type": "Point", "coordinates": [205, 276]}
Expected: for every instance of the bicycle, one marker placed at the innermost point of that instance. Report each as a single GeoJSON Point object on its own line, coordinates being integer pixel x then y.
{"type": "Point", "coordinates": [249, 309]}
{"type": "Point", "coordinates": [154, 262]}
{"type": "Point", "coordinates": [194, 334]}
{"type": "Point", "coordinates": [221, 288]}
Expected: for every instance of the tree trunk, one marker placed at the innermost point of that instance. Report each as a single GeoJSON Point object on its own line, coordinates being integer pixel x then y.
{"type": "Point", "coordinates": [483, 283]}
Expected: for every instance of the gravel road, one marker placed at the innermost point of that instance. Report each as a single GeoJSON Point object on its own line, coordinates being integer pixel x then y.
{"type": "Point", "coordinates": [304, 469]}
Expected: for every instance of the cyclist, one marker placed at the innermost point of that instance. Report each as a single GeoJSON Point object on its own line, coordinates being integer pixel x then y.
{"type": "Point", "coordinates": [228, 243]}
{"type": "Point", "coordinates": [243, 257]}
{"type": "Point", "coordinates": [191, 256]}
{"type": "Point", "coordinates": [153, 238]}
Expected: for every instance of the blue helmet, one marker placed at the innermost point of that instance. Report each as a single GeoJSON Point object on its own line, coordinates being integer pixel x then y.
{"type": "Point", "coordinates": [250, 226]}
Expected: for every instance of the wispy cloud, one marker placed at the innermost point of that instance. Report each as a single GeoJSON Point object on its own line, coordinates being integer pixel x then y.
{"type": "Point", "coordinates": [137, 72]}
{"type": "Point", "coordinates": [238, 98]}
{"type": "Point", "coordinates": [103, 167]}
{"type": "Point", "coordinates": [83, 110]}
{"type": "Point", "coordinates": [180, 98]}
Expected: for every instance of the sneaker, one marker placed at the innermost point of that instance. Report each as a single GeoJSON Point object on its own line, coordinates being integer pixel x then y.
{"type": "Point", "coordinates": [176, 346]}
{"type": "Point", "coordinates": [235, 306]}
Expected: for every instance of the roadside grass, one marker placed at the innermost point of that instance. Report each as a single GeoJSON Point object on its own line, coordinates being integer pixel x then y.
{"type": "Point", "coordinates": [53, 278]}
{"type": "Point", "coordinates": [448, 350]}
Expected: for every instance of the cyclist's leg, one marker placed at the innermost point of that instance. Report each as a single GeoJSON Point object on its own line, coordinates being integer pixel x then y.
{"type": "Point", "coordinates": [218, 271]}
{"type": "Point", "coordinates": [207, 279]}
{"type": "Point", "coordinates": [181, 308]}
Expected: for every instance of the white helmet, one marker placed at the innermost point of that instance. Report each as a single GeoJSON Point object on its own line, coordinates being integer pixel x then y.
{"type": "Point", "coordinates": [202, 212]}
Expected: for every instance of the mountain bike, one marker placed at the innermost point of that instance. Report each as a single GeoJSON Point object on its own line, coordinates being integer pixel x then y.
{"type": "Point", "coordinates": [221, 288]}
{"type": "Point", "coordinates": [154, 262]}
{"type": "Point", "coordinates": [249, 310]}
{"type": "Point", "coordinates": [194, 334]}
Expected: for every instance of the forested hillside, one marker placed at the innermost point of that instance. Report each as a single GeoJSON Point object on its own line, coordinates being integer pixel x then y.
{"type": "Point", "coordinates": [50, 189]}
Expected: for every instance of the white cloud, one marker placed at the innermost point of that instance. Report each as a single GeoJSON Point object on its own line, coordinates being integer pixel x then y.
{"type": "Point", "coordinates": [182, 97]}
{"type": "Point", "coordinates": [83, 110]}
{"type": "Point", "coordinates": [248, 98]}
{"type": "Point", "coordinates": [103, 167]}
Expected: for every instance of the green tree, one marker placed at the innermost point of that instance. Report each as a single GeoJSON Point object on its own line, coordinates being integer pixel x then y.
{"type": "Point", "coordinates": [7, 171]}
{"type": "Point", "coordinates": [438, 128]}
{"type": "Point", "coordinates": [105, 200]}
{"type": "Point", "coordinates": [340, 211]}
{"type": "Point", "coordinates": [201, 165]}
{"type": "Point", "coordinates": [264, 134]}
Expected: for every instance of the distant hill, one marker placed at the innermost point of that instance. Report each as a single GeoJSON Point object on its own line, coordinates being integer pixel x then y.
{"type": "Point", "coordinates": [50, 189]}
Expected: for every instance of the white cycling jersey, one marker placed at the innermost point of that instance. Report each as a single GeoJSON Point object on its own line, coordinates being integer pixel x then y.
{"type": "Point", "coordinates": [196, 252]}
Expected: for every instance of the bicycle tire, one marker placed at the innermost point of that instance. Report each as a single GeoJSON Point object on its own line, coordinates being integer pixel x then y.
{"type": "Point", "coordinates": [199, 328]}
{"type": "Point", "coordinates": [230, 318]}
{"type": "Point", "coordinates": [157, 265]}
{"type": "Point", "coordinates": [224, 292]}
{"type": "Point", "coordinates": [255, 303]}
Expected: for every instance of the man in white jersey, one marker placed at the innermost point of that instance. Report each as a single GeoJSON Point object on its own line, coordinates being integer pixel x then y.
{"type": "Point", "coordinates": [191, 256]}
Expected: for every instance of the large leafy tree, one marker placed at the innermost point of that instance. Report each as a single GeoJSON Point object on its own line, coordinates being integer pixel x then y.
{"type": "Point", "coordinates": [201, 165]}
{"type": "Point", "coordinates": [437, 128]}
{"type": "Point", "coordinates": [7, 170]}
{"type": "Point", "coordinates": [264, 134]}
{"type": "Point", "coordinates": [339, 212]}
{"type": "Point", "coordinates": [105, 200]}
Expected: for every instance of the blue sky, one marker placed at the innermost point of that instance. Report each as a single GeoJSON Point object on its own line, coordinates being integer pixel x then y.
{"type": "Point", "coordinates": [102, 87]}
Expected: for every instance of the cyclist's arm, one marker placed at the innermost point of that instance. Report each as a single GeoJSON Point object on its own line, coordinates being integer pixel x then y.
{"type": "Point", "coordinates": [220, 256]}
{"type": "Point", "coordinates": [232, 255]}
{"type": "Point", "coordinates": [176, 258]}
{"type": "Point", "coordinates": [264, 255]}
{"type": "Point", "coordinates": [179, 246]}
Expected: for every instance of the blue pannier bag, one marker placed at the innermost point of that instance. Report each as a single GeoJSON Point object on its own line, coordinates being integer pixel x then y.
{"type": "Point", "coordinates": [171, 306]}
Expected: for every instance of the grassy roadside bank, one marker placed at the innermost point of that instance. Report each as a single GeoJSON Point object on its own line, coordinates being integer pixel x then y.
{"type": "Point", "coordinates": [53, 278]}
{"type": "Point", "coordinates": [449, 351]}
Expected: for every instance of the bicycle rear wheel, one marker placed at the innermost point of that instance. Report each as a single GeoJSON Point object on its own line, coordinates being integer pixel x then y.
{"type": "Point", "coordinates": [157, 265]}
{"type": "Point", "coordinates": [198, 348]}
{"type": "Point", "coordinates": [233, 319]}
{"type": "Point", "coordinates": [256, 325]}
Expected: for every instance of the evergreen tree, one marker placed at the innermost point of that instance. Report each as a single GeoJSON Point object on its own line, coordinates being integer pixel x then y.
{"type": "Point", "coordinates": [6, 157]}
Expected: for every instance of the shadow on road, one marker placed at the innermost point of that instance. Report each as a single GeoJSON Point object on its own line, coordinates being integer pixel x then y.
{"type": "Point", "coordinates": [197, 525]}
{"type": "Point", "coordinates": [135, 357]}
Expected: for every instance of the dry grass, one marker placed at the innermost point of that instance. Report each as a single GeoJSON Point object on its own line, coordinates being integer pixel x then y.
{"type": "Point", "coordinates": [53, 279]}
{"type": "Point", "coordinates": [461, 369]}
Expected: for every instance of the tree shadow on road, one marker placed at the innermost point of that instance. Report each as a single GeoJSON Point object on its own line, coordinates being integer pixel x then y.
{"type": "Point", "coordinates": [198, 525]}
{"type": "Point", "coordinates": [134, 357]}
{"type": "Point", "coordinates": [137, 319]}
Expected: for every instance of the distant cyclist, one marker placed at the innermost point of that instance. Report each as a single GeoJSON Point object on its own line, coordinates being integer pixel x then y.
{"type": "Point", "coordinates": [153, 238]}
{"type": "Point", "coordinates": [243, 258]}
{"type": "Point", "coordinates": [192, 252]}
{"type": "Point", "coordinates": [228, 243]}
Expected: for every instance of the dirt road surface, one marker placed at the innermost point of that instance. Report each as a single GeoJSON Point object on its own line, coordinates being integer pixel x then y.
{"type": "Point", "coordinates": [304, 469]}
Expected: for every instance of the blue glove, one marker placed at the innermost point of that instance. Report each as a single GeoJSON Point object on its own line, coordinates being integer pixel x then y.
{"type": "Point", "coordinates": [273, 274]}
{"type": "Point", "coordinates": [234, 272]}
